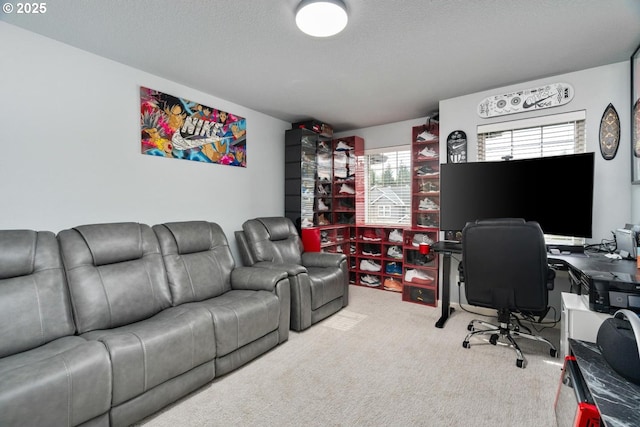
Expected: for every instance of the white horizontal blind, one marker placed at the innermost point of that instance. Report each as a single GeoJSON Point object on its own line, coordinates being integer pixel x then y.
{"type": "Point", "coordinates": [387, 177]}
{"type": "Point", "coordinates": [539, 141]}
{"type": "Point", "coordinates": [554, 135]}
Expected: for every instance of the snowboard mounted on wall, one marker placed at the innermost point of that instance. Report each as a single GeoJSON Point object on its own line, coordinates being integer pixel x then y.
{"type": "Point", "coordinates": [547, 96]}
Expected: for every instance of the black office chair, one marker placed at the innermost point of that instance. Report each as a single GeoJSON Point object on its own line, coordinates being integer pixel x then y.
{"type": "Point", "coordinates": [504, 266]}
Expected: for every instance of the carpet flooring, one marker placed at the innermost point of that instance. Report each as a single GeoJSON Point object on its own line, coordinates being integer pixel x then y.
{"type": "Point", "coordinates": [380, 362]}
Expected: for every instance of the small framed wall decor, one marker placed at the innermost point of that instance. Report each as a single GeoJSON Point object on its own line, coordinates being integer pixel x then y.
{"type": "Point", "coordinates": [635, 116]}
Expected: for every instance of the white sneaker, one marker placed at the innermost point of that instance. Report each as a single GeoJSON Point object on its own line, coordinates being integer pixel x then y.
{"type": "Point", "coordinates": [306, 223]}
{"type": "Point", "coordinates": [366, 265]}
{"type": "Point", "coordinates": [426, 136]}
{"type": "Point", "coordinates": [322, 206]}
{"type": "Point", "coordinates": [421, 238]}
{"type": "Point", "coordinates": [418, 276]}
{"type": "Point", "coordinates": [370, 280]}
{"type": "Point", "coordinates": [395, 236]}
{"type": "Point", "coordinates": [340, 173]}
{"type": "Point", "coordinates": [428, 153]}
{"type": "Point", "coordinates": [343, 147]}
{"type": "Point", "coordinates": [428, 204]}
{"type": "Point", "coordinates": [345, 189]}
{"type": "Point", "coordinates": [394, 252]}
{"type": "Point", "coordinates": [340, 160]}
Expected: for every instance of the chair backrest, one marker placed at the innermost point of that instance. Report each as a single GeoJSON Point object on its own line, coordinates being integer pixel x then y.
{"type": "Point", "coordinates": [505, 264]}
{"type": "Point", "coordinates": [115, 273]}
{"type": "Point", "coordinates": [273, 239]}
{"type": "Point", "coordinates": [34, 300]}
{"type": "Point", "coordinates": [198, 260]}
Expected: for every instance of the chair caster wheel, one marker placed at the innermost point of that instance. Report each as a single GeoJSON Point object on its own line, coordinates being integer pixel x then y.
{"type": "Point", "coordinates": [494, 339]}
{"type": "Point", "coordinates": [520, 363]}
{"type": "Point", "coordinates": [470, 327]}
{"type": "Point", "coordinates": [465, 344]}
{"type": "Point", "coordinates": [553, 352]}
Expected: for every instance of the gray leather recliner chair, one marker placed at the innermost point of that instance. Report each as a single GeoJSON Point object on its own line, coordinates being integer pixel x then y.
{"type": "Point", "coordinates": [319, 281]}
{"type": "Point", "coordinates": [47, 375]}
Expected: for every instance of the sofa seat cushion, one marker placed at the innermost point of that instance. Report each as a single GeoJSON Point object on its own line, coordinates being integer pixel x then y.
{"type": "Point", "coordinates": [63, 383]}
{"type": "Point", "coordinates": [241, 317]}
{"type": "Point", "coordinates": [147, 353]}
{"type": "Point", "coordinates": [327, 284]}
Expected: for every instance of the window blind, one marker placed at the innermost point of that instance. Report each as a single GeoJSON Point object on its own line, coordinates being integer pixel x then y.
{"type": "Point", "coordinates": [540, 137]}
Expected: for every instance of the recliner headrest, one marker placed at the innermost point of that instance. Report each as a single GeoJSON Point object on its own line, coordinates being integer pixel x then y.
{"type": "Point", "coordinates": [17, 252]}
{"type": "Point", "coordinates": [192, 236]}
{"type": "Point", "coordinates": [277, 227]}
{"type": "Point", "coordinates": [112, 243]}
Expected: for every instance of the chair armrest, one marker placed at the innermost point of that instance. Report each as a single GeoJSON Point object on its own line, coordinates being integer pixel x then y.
{"type": "Point", "coordinates": [256, 279]}
{"type": "Point", "coordinates": [460, 273]}
{"type": "Point", "coordinates": [291, 269]}
{"type": "Point", "coordinates": [322, 259]}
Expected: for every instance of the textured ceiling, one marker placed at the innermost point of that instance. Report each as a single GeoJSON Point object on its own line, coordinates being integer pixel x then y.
{"type": "Point", "coordinates": [395, 60]}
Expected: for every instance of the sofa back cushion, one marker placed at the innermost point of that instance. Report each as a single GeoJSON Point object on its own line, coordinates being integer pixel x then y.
{"type": "Point", "coordinates": [273, 239]}
{"type": "Point", "coordinates": [198, 260]}
{"type": "Point", "coordinates": [115, 274]}
{"type": "Point", "coordinates": [34, 299]}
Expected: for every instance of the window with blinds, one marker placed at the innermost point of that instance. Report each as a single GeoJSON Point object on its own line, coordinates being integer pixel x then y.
{"type": "Point", "coordinates": [532, 138]}
{"type": "Point", "coordinates": [387, 178]}
{"type": "Point", "coordinates": [553, 135]}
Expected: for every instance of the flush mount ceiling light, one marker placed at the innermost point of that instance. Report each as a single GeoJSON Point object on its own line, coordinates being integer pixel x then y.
{"type": "Point", "coordinates": [321, 18]}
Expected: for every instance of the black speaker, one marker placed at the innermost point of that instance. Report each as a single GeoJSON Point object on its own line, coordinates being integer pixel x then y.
{"type": "Point", "coordinates": [617, 342]}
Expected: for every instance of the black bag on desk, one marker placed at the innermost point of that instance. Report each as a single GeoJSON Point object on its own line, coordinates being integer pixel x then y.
{"type": "Point", "coordinates": [619, 344]}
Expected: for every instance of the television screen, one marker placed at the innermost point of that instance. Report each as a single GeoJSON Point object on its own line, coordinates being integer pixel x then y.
{"type": "Point", "coordinates": [557, 192]}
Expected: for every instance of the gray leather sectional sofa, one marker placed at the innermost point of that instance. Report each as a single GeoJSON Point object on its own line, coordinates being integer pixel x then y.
{"type": "Point", "coordinates": [106, 324]}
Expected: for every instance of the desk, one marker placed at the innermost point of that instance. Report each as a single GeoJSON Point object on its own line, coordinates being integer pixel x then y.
{"type": "Point", "coordinates": [594, 265]}
{"type": "Point", "coordinates": [617, 399]}
{"type": "Point", "coordinates": [446, 249]}
{"type": "Point", "coordinates": [608, 284]}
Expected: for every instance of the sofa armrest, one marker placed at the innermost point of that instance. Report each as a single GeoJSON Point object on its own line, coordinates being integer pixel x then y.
{"type": "Point", "coordinates": [256, 279]}
{"type": "Point", "coordinates": [291, 269]}
{"type": "Point", "coordinates": [322, 259]}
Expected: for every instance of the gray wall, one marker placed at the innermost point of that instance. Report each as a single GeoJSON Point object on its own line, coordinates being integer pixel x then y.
{"type": "Point", "coordinates": [594, 89]}
{"type": "Point", "coordinates": [71, 147]}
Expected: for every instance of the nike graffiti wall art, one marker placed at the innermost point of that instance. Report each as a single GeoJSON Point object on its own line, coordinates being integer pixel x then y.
{"type": "Point", "coordinates": [547, 96]}
{"type": "Point", "coordinates": [182, 129]}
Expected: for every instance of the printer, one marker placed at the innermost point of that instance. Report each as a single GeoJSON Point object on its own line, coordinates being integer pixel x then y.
{"type": "Point", "coordinates": [607, 292]}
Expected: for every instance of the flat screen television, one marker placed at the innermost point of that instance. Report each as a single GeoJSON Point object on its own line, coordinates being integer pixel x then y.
{"type": "Point", "coordinates": [557, 192]}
